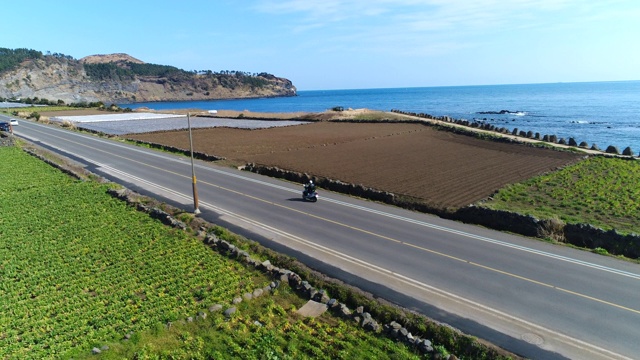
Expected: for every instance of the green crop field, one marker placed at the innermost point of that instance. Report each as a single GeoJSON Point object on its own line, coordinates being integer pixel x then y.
{"type": "Point", "coordinates": [601, 191]}
{"type": "Point", "coordinates": [80, 269]}
{"type": "Point", "coordinates": [36, 108]}
{"type": "Point", "coordinates": [263, 329]}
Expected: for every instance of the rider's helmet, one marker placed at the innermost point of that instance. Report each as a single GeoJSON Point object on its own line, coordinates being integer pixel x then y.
{"type": "Point", "coordinates": [310, 182]}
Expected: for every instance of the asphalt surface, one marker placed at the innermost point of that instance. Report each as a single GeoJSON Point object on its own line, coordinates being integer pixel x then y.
{"type": "Point", "coordinates": [535, 299]}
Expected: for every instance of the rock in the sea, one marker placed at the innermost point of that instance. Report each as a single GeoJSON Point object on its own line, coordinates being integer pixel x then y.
{"type": "Point", "coordinates": [612, 150]}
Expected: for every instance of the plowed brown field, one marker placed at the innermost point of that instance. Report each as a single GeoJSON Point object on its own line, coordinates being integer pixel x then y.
{"type": "Point", "coordinates": [443, 168]}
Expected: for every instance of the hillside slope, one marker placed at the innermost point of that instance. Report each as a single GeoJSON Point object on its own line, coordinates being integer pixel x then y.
{"type": "Point", "coordinates": [120, 78]}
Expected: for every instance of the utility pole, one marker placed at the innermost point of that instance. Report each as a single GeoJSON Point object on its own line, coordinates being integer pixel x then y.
{"type": "Point", "coordinates": [196, 209]}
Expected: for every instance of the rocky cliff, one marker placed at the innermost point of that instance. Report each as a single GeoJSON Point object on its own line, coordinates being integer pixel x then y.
{"type": "Point", "coordinates": [120, 78]}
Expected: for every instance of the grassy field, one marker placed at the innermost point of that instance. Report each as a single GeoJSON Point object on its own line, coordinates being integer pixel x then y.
{"type": "Point", "coordinates": [80, 269]}
{"type": "Point", "coordinates": [601, 191]}
{"type": "Point", "coordinates": [263, 329]}
{"type": "Point", "coordinates": [37, 108]}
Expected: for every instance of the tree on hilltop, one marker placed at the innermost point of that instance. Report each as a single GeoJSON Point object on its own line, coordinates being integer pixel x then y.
{"type": "Point", "coordinates": [10, 58]}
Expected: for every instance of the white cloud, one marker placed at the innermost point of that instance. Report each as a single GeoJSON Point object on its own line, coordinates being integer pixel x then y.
{"type": "Point", "coordinates": [444, 24]}
{"type": "Point", "coordinates": [426, 31]}
{"type": "Point", "coordinates": [434, 15]}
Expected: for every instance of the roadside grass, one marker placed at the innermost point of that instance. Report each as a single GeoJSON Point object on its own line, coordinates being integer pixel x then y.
{"type": "Point", "coordinates": [381, 116]}
{"type": "Point", "coordinates": [265, 328]}
{"type": "Point", "coordinates": [81, 269]}
{"type": "Point", "coordinates": [38, 109]}
{"type": "Point", "coordinates": [258, 115]}
{"type": "Point", "coordinates": [601, 191]}
{"type": "Point", "coordinates": [327, 115]}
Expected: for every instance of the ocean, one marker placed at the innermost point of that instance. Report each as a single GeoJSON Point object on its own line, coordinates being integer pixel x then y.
{"type": "Point", "coordinates": [602, 113]}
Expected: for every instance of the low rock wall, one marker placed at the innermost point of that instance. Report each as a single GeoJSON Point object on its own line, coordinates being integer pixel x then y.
{"type": "Point", "coordinates": [590, 237]}
{"type": "Point", "coordinates": [187, 152]}
{"type": "Point", "coordinates": [581, 235]}
{"type": "Point", "coordinates": [499, 219]}
{"type": "Point", "coordinates": [6, 139]}
{"type": "Point", "coordinates": [332, 185]}
{"type": "Point", "coordinates": [346, 188]}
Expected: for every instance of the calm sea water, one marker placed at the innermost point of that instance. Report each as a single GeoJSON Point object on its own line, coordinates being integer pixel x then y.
{"type": "Point", "coordinates": [604, 113]}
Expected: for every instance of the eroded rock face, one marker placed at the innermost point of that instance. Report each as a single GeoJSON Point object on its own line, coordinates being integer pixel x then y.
{"type": "Point", "coordinates": [64, 78]}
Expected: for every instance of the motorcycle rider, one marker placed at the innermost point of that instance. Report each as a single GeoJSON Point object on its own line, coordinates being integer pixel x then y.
{"type": "Point", "coordinates": [309, 188]}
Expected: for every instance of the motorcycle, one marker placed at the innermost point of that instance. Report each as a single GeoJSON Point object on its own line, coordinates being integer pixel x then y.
{"type": "Point", "coordinates": [309, 196]}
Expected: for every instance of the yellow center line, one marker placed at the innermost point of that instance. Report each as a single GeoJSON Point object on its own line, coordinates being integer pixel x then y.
{"type": "Point", "coordinates": [382, 236]}
{"type": "Point", "coordinates": [506, 273]}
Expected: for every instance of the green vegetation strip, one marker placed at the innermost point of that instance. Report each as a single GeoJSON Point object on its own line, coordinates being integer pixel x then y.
{"type": "Point", "coordinates": [601, 191]}
{"type": "Point", "coordinates": [265, 328]}
{"type": "Point", "coordinates": [80, 269]}
{"type": "Point", "coordinates": [14, 110]}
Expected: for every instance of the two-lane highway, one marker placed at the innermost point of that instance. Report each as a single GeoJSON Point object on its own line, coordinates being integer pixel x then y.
{"type": "Point", "coordinates": [530, 297]}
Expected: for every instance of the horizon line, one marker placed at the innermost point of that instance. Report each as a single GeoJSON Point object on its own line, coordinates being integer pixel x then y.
{"type": "Point", "coordinates": [478, 85]}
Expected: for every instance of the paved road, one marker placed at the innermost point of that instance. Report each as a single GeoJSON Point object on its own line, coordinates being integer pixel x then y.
{"type": "Point", "coordinates": [535, 299]}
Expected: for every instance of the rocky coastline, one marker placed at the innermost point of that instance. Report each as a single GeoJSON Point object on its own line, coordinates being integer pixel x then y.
{"type": "Point", "coordinates": [520, 135]}
{"type": "Point", "coordinates": [67, 80]}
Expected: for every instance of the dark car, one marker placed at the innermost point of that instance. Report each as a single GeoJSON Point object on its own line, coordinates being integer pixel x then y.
{"type": "Point", "coordinates": [5, 126]}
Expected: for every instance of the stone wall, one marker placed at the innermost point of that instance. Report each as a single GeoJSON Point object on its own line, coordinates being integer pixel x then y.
{"type": "Point", "coordinates": [333, 185]}
{"type": "Point", "coordinates": [344, 188]}
{"type": "Point", "coordinates": [6, 139]}
{"type": "Point", "coordinates": [186, 152]}
{"type": "Point", "coordinates": [500, 220]}
{"type": "Point", "coordinates": [590, 237]}
{"type": "Point", "coordinates": [581, 235]}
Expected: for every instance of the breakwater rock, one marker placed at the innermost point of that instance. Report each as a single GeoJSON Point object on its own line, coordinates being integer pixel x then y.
{"type": "Point", "coordinates": [550, 138]}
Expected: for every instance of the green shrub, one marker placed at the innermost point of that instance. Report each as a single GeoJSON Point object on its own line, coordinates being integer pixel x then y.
{"type": "Point", "coordinates": [600, 251]}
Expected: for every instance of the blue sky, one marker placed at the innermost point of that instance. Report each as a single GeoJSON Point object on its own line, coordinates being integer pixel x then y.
{"type": "Point", "coordinates": [348, 44]}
